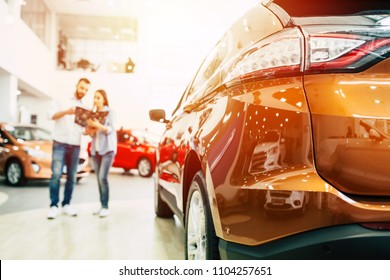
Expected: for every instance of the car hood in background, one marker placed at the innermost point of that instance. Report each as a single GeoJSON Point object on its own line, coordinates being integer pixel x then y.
{"type": "Point", "coordinates": [39, 145]}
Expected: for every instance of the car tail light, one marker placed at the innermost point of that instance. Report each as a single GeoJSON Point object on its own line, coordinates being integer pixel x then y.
{"type": "Point", "coordinates": [377, 226]}
{"type": "Point", "coordinates": [281, 54]}
{"type": "Point", "coordinates": [278, 55]}
{"type": "Point", "coordinates": [329, 53]}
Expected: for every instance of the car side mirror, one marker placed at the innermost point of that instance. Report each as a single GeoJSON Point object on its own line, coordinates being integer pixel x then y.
{"type": "Point", "coordinates": [158, 115]}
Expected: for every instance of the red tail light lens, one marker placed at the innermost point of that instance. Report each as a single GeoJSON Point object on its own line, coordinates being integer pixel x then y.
{"type": "Point", "coordinates": [376, 226]}
{"type": "Point", "coordinates": [282, 54]}
{"type": "Point", "coordinates": [329, 53]}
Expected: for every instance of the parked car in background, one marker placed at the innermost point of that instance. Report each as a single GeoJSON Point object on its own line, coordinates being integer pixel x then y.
{"type": "Point", "coordinates": [135, 150]}
{"type": "Point", "coordinates": [25, 154]}
{"type": "Point", "coordinates": [252, 130]}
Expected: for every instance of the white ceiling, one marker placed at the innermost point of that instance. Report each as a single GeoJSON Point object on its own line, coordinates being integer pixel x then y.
{"type": "Point", "coordinates": [97, 19]}
{"type": "Point", "coordinates": [93, 19]}
{"type": "Point", "coordinates": [127, 8]}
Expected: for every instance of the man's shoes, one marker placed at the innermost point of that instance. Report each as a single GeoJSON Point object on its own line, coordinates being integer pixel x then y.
{"type": "Point", "coordinates": [102, 212]}
{"type": "Point", "coordinates": [68, 210]}
{"type": "Point", "coordinates": [53, 212]}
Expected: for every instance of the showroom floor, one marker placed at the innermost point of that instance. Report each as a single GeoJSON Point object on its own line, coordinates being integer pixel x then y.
{"type": "Point", "coordinates": [132, 230]}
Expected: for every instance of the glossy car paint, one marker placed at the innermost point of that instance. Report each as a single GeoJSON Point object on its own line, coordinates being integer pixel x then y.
{"type": "Point", "coordinates": [333, 147]}
{"type": "Point", "coordinates": [348, 156]}
{"type": "Point", "coordinates": [131, 149]}
{"type": "Point", "coordinates": [14, 149]}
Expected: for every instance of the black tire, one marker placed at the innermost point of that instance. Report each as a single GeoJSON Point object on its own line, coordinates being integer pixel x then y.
{"type": "Point", "coordinates": [144, 167]}
{"type": "Point", "coordinates": [201, 241]}
{"type": "Point", "coordinates": [161, 208]}
{"type": "Point", "coordinates": [14, 173]}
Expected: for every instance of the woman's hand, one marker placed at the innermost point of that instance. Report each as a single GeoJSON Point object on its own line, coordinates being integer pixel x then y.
{"type": "Point", "coordinates": [91, 131]}
{"type": "Point", "coordinates": [93, 123]}
{"type": "Point", "coordinates": [97, 125]}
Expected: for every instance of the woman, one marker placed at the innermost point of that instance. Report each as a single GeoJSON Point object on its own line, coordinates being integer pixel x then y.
{"type": "Point", "coordinates": [103, 148]}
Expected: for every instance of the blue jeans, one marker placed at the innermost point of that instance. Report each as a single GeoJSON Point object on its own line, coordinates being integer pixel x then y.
{"type": "Point", "coordinates": [102, 164]}
{"type": "Point", "coordinates": [63, 154]}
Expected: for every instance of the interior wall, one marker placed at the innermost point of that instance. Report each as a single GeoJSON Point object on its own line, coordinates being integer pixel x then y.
{"type": "Point", "coordinates": [173, 40]}
{"type": "Point", "coordinates": [22, 54]}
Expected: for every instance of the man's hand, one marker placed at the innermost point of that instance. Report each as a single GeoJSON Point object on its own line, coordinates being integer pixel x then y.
{"type": "Point", "coordinates": [70, 111]}
{"type": "Point", "coordinates": [58, 115]}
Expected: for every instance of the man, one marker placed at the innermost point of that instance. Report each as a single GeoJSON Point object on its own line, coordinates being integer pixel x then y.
{"type": "Point", "coordinates": [66, 148]}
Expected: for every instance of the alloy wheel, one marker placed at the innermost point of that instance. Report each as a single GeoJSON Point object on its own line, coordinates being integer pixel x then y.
{"type": "Point", "coordinates": [14, 173]}
{"type": "Point", "coordinates": [196, 228]}
{"type": "Point", "coordinates": [144, 167]}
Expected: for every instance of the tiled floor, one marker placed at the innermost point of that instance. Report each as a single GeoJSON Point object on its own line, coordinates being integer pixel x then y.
{"type": "Point", "coordinates": [131, 232]}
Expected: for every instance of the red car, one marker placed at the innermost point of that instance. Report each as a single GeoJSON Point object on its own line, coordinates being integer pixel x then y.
{"type": "Point", "coordinates": [136, 150]}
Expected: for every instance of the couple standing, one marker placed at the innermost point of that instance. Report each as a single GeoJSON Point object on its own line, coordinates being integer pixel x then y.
{"type": "Point", "coordinates": [66, 148]}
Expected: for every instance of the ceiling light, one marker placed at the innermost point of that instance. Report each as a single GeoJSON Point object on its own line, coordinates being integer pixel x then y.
{"type": "Point", "coordinates": [105, 29]}
{"type": "Point", "coordinates": [83, 28]}
{"type": "Point", "coordinates": [127, 31]}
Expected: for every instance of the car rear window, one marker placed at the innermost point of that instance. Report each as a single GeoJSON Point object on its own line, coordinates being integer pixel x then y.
{"type": "Point", "coordinates": [304, 8]}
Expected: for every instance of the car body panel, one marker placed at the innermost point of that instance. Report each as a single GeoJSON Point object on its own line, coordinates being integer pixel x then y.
{"type": "Point", "coordinates": [347, 155]}
{"type": "Point", "coordinates": [173, 148]}
{"type": "Point", "coordinates": [9, 152]}
{"type": "Point", "coordinates": [317, 138]}
{"type": "Point", "coordinates": [14, 149]}
{"type": "Point", "coordinates": [130, 149]}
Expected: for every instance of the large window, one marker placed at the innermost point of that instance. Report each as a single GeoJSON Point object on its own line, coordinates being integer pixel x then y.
{"type": "Point", "coordinates": [209, 66]}
{"type": "Point", "coordinates": [36, 15]}
{"type": "Point", "coordinates": [96, 43]}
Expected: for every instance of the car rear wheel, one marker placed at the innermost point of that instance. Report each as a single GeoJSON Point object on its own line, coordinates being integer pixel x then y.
{"type": "Point", "coordinates": [201, 240]}
{"type": "Point", "coordinates": [145, 167]}
{"type": "Point", "coordinates": [14, 174]}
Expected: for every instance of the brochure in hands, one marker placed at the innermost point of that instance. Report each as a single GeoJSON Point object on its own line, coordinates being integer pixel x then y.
{"type": "Point", "coordinates": [82, 115]}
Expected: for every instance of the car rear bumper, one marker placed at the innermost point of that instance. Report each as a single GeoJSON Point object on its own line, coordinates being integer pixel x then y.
{"type": "Point", "coordinates": [339, 242]}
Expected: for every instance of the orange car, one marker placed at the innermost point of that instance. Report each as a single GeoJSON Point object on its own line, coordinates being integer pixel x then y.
{"type": "Point", "coordinates": [288, 115]}
{"type": "Point", "coordinates": [25, 153]}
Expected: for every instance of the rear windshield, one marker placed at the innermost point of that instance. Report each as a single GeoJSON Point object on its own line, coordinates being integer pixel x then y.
{"type": "Point", "coordinates": [304, 8]}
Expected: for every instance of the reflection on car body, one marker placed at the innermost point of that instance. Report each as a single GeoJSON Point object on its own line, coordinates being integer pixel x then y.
{"type": "Point", "coordinates": [285, 201]}
{"type": "Point", "coordinates": [267, 153]}
{"type": "Point", "coordinates": [340, 157]}
{"type": "Point", "coordinates": [281, 107]}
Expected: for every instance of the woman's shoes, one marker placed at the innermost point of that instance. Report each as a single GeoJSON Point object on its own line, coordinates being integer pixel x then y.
{"type": "Point", "coordinates": [102, 212]}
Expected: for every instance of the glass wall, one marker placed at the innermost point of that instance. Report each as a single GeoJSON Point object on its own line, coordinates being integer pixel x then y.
{"type": "Point", "coordinates": [96, 43]}
{"type": "Point", "coordinates": [36, 15]}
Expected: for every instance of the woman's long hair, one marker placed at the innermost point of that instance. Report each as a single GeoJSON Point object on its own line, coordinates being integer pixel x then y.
{"type": "Point", "coordinates": [104, 94]}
